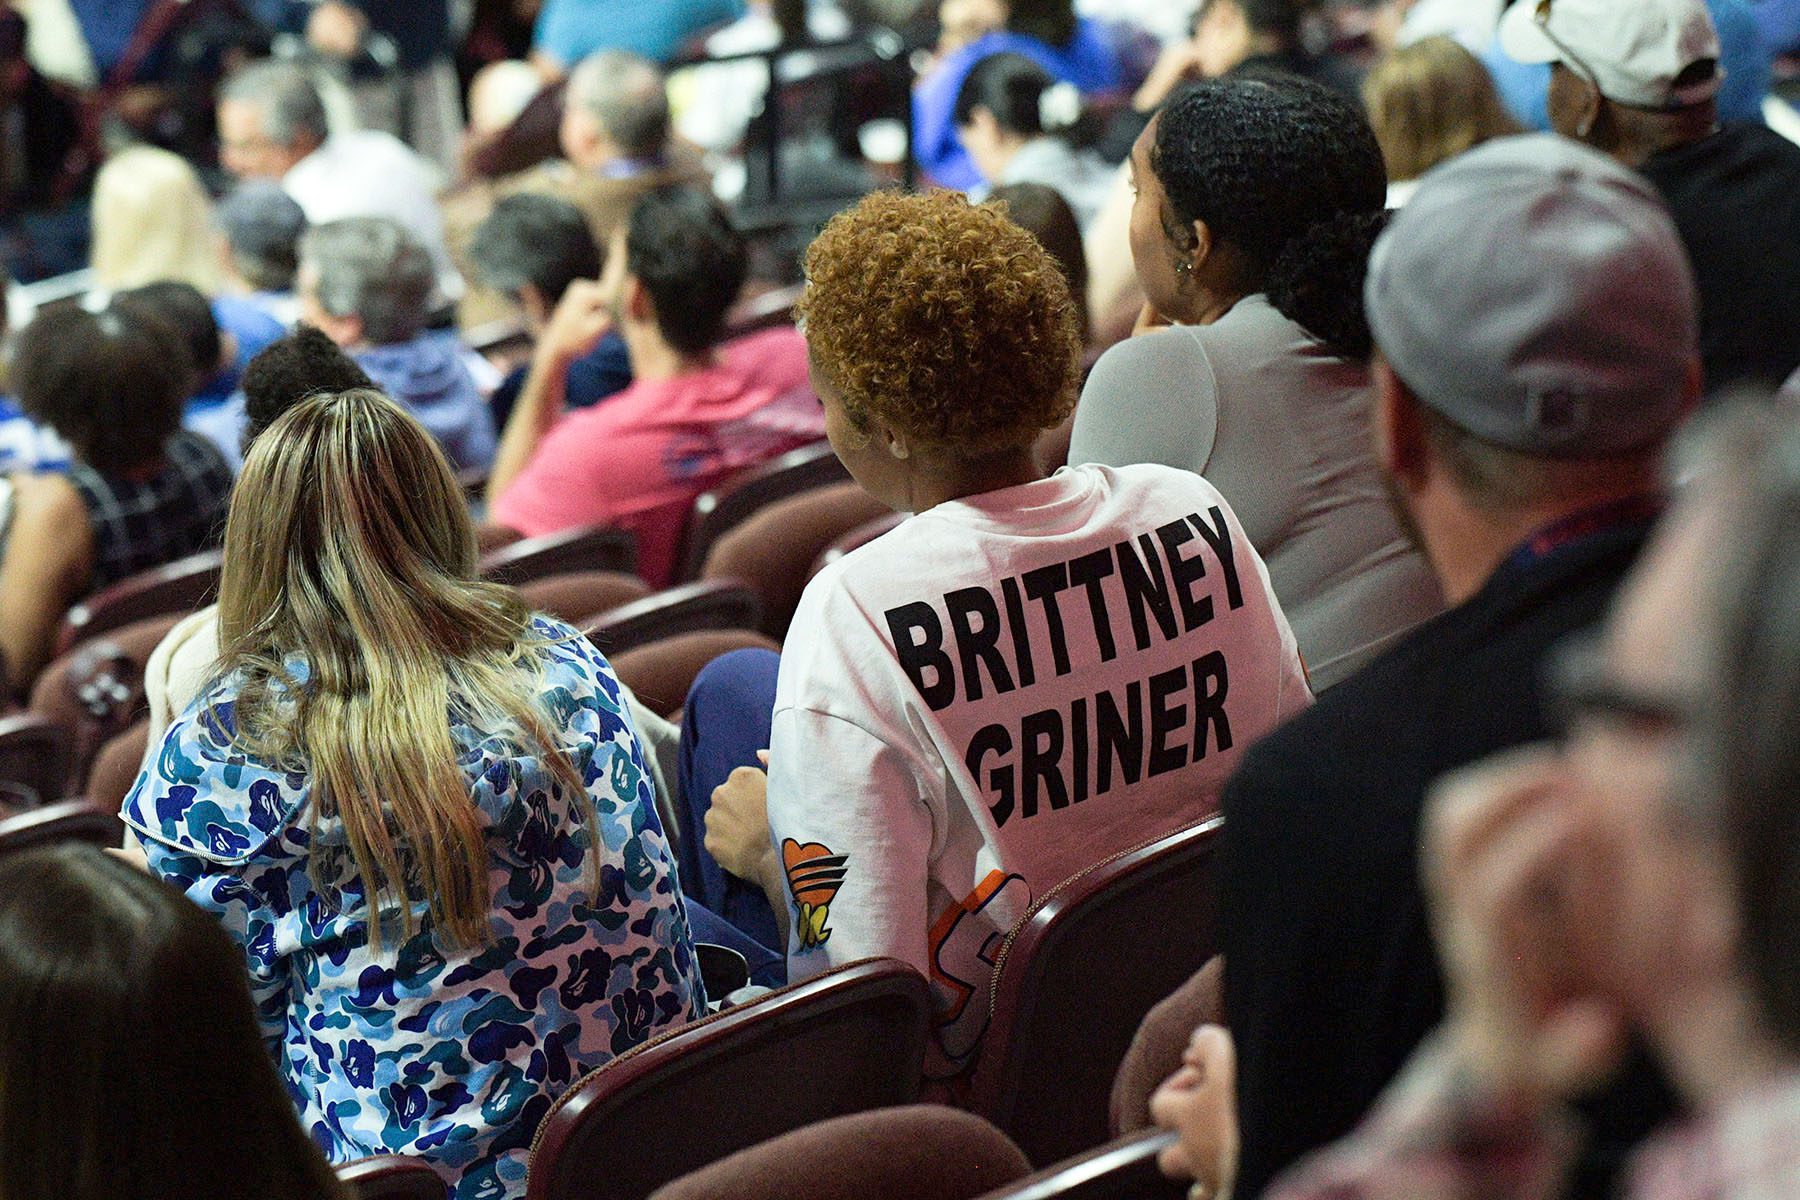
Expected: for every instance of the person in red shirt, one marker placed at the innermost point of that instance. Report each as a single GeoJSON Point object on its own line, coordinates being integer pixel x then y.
{"type": "Point", "coordinates": [696, 412]}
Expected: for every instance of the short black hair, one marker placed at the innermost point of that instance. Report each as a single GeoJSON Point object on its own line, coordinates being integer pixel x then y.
{"type": "Point", "coordinates": [112, 384]}
{"type": "Point", "coordinates": [290, 369]}
{"type": "Point", "coordinates": [681, 246]}
{"type": "Point", "coordinates": [1008, 85]}
{"type": "Point", "coordinates": [539, 240]}
{"type": "Point", "coordinates": [183, 307]}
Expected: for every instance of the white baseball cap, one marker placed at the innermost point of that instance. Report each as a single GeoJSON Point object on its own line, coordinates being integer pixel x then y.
{"type": "Point", "coordinates": [1631, 50]}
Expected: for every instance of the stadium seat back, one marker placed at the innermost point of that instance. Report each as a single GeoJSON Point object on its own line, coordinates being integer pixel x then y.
{"type": "Point", "coordinates": [591, 548]}
{"type": "Point", "coordinates": [61, 821]}
{"type": "Point", "coordinates": [391, 1177]}
{"type": "Point", "coordinates": [178, 587]}
{"type": "Point", "coordinates": [850, 1040]}
{"type": "Point", "coordinates": [749, 491]}
{"type": "Point", "coordinates": [116, 767]}
{"type": "Point", "coordinates": [690, 608]}
{"type": "Point", "coordinates": [1074, 978]}
{"type": "Point", "coordinates": [1121, 1170]}
{"type": "Point", "coordinates": [34, 758]}
{"type": "Point", "coordinates": [95, 691]}
{"type": "Point", "coordinates": [855, 539]}
{"type": "Point", "coordinates": [773, 550]}
{"type": "Point", "coordinates": [661, 672]}
{"type": "Point", "coordinates": [577, 596]}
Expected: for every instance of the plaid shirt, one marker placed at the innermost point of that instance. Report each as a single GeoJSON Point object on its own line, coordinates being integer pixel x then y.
{"type": "Point", "coordinates": [1434, 1136]}
{"type": "Point", "coordinates": [139, 524]}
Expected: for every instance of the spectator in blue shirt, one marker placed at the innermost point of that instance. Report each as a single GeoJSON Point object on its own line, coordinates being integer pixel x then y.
{"type": "Point", "coordinates": [570, 30]}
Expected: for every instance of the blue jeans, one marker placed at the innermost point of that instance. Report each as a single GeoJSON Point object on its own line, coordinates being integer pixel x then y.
{"type": "Point", "coordinates": [725, 723]}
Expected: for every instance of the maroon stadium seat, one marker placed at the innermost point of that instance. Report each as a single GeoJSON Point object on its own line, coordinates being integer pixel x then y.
{"type": "Point", "coordinates": [178, 587]}
{"type": "Point", "coordinates": [661, 672]}
{"type": "Point", "coordinates": [593, 548]}
{"type": "Point", "coordinates": [391, 1177]}
{"type": "Point", "coordinates": [576, 596]}
{"type": "Point", "coordinates": [691, 608]}
{"type": "Point", "coordinates": [850, 1040]}
{"type": "Point", "coordinates": [34, 757]}
{"type": "Point", "coordinates": [735, 500]}
{"type": "Point", "coordinates": [1160, 1041]}
{"type": "Point", "coordinates": [1058, 1027]}
{"type": "Point", "coordinates": [96, 691]}
{"type": "Point", "coordinates": [915, 1152]}
{"type": "Point", "coordinates": [115, 768]}
{"type": "Point", "coordinates": [62, 821]}
{"type": "Point", "coordinates": [1122, 1170]}
{"type": "Point", "coordinates": [855, 539]}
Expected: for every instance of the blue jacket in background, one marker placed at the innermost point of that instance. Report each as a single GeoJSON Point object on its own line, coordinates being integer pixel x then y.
{"type": "Point", "coordinates": [570, 30]}
{"type": "Point", "coordinates": [1089, 61]}
{"type": "Point", "coordinates": [427, 375]}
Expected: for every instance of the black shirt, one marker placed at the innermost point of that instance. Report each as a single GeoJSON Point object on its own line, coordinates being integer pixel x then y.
{"type": "Point", "coordinates": [1735, 196]}
{"type": "Point", "coordinates": [1330, 976]}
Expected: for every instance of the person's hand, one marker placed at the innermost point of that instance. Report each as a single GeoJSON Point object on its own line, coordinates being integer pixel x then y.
{"type": "Point", "coordinates": [1178, 63]}
{"type": "Point", "coordinates": [583, 316]}
{"type": "Point", "coordinates": [335, 29]}
{"type": "Point", "coordinates": [1149, 320]}
{"type": "Point", "coordinates": [1199, 1102]}
{"type": "Point", "coordinates": [1521, 881]}
{"type": "Point", "coordinates": [737, 824]}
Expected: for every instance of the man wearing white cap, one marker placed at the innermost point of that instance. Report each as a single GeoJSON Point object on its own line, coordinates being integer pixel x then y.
{"type": "Point", "coordinates": [1534, 314]}
{"type": "Point", "coordinates": [1638, 80]}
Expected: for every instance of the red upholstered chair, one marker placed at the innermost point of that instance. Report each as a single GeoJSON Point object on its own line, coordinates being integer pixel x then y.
{"type": "Point", "coordinates": [917, 1152]}
{"type": "Point", "coordinates": [769, 309]}
{"type": "Point", "coordinates": [1121, 1170]}
{"type": "Point", "coordinates": [661, 672]}
{"type": "Point", "coordinates": [178, 587]}
{"type": "Point", "coordinates": [95, 691]}
{"type": "Point", "coordinates": [734, 501]}
{"type": "Point", "coordinates": [593, 548]}
{"type": "Point", "coordinates": [391, 1177]}
{"type": "Point", "coordinates": [116, 767]}
{"type": "Point", "coordinates": [34, 758]}
{"type": "Point", "coordinates": [850, 1040]}
{"type": "Point", "coordinates": [62, 821]}
{"type": "Point", "coordinates": [575, 596]}
{"type": "Point", "coordinates": [855, 539]}
{"type": "Point", "coordinates": [772, 550]}
{"type": "Point", "coordinates": [1074, 978]}
{"type": "Point", "coordinates": [1156, 1049]}
{"type": "Point", "coordinates": [691, 608]}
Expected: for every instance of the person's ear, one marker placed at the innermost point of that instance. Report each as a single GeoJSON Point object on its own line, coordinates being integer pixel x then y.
{"type": "Point", "coordinates": [895, 441]}
{"type": "Point", "coordinates": [634, 301]}
{"type": "Point", "coordinates": [1593, 106]}
{"type": "Point", "coordinates": [1195, 258]}
{"type": "Point", "coordinates": [1401, 448]}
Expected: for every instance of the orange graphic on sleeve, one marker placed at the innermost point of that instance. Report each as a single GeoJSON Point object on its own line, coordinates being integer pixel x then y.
{"type": "Point", "coordinates": [814, 875]}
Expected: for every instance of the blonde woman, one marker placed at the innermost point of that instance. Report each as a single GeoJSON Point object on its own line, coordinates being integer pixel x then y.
{"type": "Point", "coordinates": [1428, 102]}
{"type": "Point", "coordinates": [419, 810]}
{"type": "Point", "coordinates": [152, 221]}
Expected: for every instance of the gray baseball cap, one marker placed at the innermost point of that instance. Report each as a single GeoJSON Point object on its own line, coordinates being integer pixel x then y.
{"type": "Point", "coordinates": [1534, 293]}
{"type": "Point", "coordinates": [258, 218]}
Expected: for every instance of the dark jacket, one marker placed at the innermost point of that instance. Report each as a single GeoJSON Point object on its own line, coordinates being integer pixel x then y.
{"type": "Point", "coordinates": [1330, 976]}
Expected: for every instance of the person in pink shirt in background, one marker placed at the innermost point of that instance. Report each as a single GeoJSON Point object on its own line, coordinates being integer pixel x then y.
{"type": "Point", "coordinates": [696, 412]}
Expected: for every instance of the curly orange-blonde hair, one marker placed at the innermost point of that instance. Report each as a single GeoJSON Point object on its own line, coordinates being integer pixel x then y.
{"type": "Point", "coordinates": [943, 320]}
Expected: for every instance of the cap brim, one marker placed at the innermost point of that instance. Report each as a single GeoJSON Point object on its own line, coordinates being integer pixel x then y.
{"type": "Point", "coordinates": [1523, 39]}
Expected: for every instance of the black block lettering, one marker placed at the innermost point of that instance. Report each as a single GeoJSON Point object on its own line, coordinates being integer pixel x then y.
{"type": "Point", "coordinates": [1042, 585]}
{"type": "Point", "coordinates": [1210, 686]}
{"type": "Point", "coordinates": [1183, 573]}
{"type": "Point", "coordinates": [1089, 571]}
{"type": "Point", "coordinates": [1078, 739]}
{"type": "Point", "coordinates": [1146, 591]}
{"type": "Point", "coordinates": [977, 647]}
{"type": "Point", "coordinates": [1218, 536]}
{"type": "Point", "coordinates": [1119, 738]}
{"type": "Point", "coordinates": [1021, 631]}
{"type": "Point", "coordinates": [1040, 759]}
{"type": "Point", "coordinates": [916, 657]}
{"type": "Point", "coordinates": [993, 738]}
{"type": "Point", "coordinates": [1165, 719]}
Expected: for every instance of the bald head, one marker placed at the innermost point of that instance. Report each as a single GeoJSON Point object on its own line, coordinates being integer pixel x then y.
{"type": "Point", "coordinates": [615, 107]}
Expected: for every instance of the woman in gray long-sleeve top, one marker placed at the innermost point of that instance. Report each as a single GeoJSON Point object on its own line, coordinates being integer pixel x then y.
{"type": "Point", "coordinates": [1257, 200]}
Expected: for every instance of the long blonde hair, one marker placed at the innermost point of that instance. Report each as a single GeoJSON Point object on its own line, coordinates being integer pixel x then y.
{"type": "Point", "coordinates": [1431, 101]}
{"type": "Point", "coordinates": [349, 547]}
{"type": "Point", "coordinates": [152, 221]}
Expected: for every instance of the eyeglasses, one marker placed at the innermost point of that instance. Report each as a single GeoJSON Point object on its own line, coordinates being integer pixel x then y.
{"type": "Point", "coordinates": [1579, 688]}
